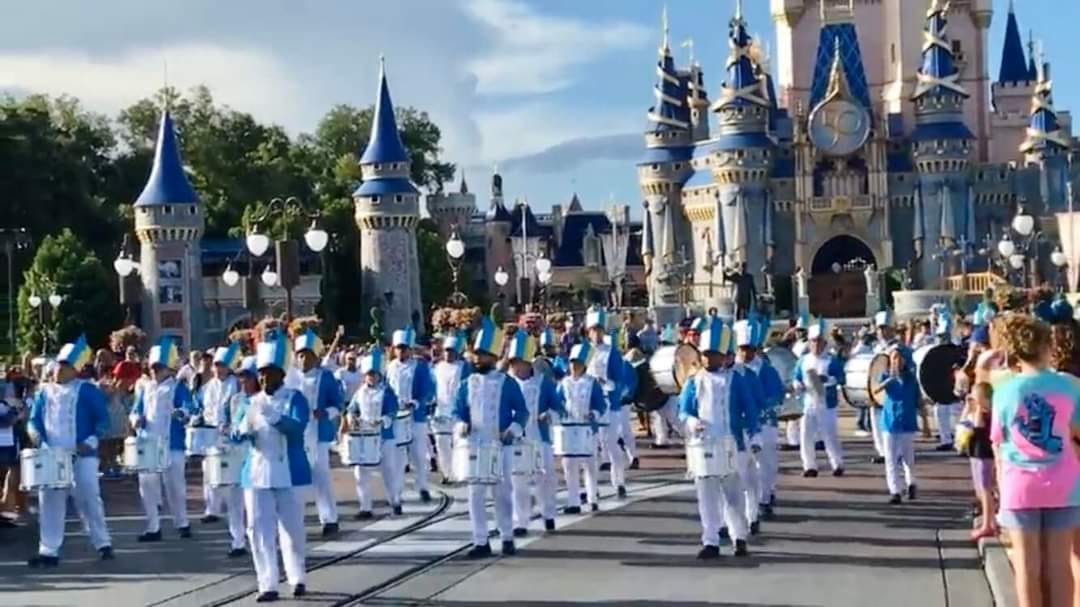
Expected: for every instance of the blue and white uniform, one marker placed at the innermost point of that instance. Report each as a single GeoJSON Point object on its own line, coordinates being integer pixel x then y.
{"type": "Point", "coordinates": [793, 428]}
{"type": "Point", "coordinates": [412, 382]}
{"type": "Point", "coordinates": [448, 378]}
{"type": "Point", "coordinates": [164, 407]}
{"type": "Point", "coordinates": [542, 403]}
{"type": "Point", "coordinates": [583, 401]}
{"type": "Point", "coordinates": [322, 393]}
{"type": "Point", "coordinates": [768, 461]}
{"type": "Point", "coordinates": [212, 406]}
{"type": "Point", "coordinates": [375, 407]}
{"type": "Point", "coordinates": [899, 412]}
{"type": "Point", "coordinates": [819, 403]}
{"type": "Point", "coordinates": [606, 367]}
{"type": "Point", "coordinates": [487, 406]}
{"type": "Point", "coordinates": [67, 416]}
{"type": "Point", "coordinates": [274, 473]}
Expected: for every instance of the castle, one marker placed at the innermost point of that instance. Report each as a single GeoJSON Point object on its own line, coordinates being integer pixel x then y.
{"type": "Point", "coordinates": [881, 141]}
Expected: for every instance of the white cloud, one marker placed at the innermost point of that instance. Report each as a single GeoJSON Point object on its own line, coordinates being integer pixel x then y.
{"type": "Point", "coordinates": [248, 80]}
{"type": "Point", "coordinates": [534, 53]}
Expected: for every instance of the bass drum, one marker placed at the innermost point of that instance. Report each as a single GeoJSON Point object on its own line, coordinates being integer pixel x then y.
{"type": "Point", "coordinates": [784, 362]}
{"type": "Point", "coordinates": [862, 372]}
{"type": "Point", "coordinates": [665, 373]}
{"type": "Point", "coordinates": [934, 367]}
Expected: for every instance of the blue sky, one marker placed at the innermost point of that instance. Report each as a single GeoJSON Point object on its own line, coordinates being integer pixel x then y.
{"type": "Point", "coordinates": [554, 91]}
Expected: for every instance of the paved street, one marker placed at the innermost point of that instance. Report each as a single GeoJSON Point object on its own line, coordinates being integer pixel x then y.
{"type": "Point", "coordinates": [834, 542]}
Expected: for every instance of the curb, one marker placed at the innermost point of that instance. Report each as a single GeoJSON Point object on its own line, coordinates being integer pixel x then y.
{"type": "Point", "coordinates": [998, 572]}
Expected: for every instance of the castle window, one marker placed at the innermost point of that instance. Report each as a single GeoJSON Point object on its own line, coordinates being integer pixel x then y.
{"type": "Point", "coordinates": [399, 198]}
{"type": "Point", "coordinates": [377, 166]}
{"type": "Point", "coordinates": [375, 200]}
{"type": "Point", "coordinates": [957, 47]}
{"type": "Point", "coordinates": [678, 166]}
{"type": "Point", "coordinates": [656, 167]}
{"type": "Point", "coordinates": [192, 210]}
{"type": "Point", "coordinates": [591, 248]}
{"type": "Point", "coordinates": [892, 52]}
{"type": "Point", "coordinates": [167, 209]}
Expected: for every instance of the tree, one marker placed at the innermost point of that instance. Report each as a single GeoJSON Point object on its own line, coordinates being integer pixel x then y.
{"type": "Point", "coordinates": [435, 279]}
{"type": "Point", "coordinates": [65, 266]}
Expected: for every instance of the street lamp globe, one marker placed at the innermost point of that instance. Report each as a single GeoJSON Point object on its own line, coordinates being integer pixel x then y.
{"type": "Point", "coordinates": [257, 243]}
{"type": "Point", "coordinates": [1058, 258]}
{"type": "Point", "coordinates": [316, 238]}
{"type": "Point", "coordinates": [455, 248]}
{"type": "Point", "coordinates": [501, 277]}
{"type": "Point", "coordinates": [269, 277]}
{"type": "Point", "coordinates": [124, 266]}
{"type": "Point", "coordinates": [230, 276]}
{"type": "Point", "coordinates": [1023, 223]}
{"type": "Point", "coordinates": [543, 265]}
{"type": "Point", "coordinates": [1006, 247]}
{"type": "Point", "coordinates": [1016, 260]}
{"type": "Point", "coordinates": [34, 301]}
{"type": "Point", "coordinates": [55, 300]}
{"type": "Point", "coordinates": [544, 277]}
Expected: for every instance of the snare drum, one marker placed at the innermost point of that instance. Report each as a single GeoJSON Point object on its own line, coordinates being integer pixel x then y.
{"type": "Point", "coordinates": [361, 448]}
{"type": "Point", "coordinates": [524, 456]}
{"type": "Point", "coordinates": [46, 468]}
{"type": "Point", "coordinates": [573, 440]}
{"type": "Point", "coordinates": [442, 425]}
{"type": "Point", "coordinates": [791, 409]}
{"type": "Point", "coordinates": [198, 439]}
{"type": "Point", "coordinates": [403, 428]}
{"type": "Point", "coordinates": [146, 453]}
{"type": "Point", "coordinates": [477, 463]}
{"type": "Point", "coordinates": [223, 465]}
{"type": "Point", "coordinates": [710, 457]}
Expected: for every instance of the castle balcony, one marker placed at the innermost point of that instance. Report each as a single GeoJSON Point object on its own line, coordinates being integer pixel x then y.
{"type": "Point", "coordinates": [973, 282]}
{"type": "Point", "coordinates": [840, 204]}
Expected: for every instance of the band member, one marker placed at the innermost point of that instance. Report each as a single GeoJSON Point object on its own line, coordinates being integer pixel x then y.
{"type": "Point", "coordinates": [713, 406]}
{"type": "Point", "coordinates": [449, 373]}
{"type": "Point", "coordinates": [606, 366]}
{"type": "Point", "coordinates": [212, 409]}
{"type": "Point", "coordinates": [490, 409]}
{"type": "Point", "coordinates": [772, 386]}
{"type": "Point", "coordinates": [276, 470]}
{"type": "Point", "coordinates": [886, 338]}
{"type": "Point", "coordinates": [898, 423]}
{"type": "Point", "coordinates": [162, 407]}
{"type": "Point", "coordinates": [71, 414]}
{"type": "Point", "coordinates": [793, 428]}
{"type": "Point", "coordinates": [745, 333]}
{"type": "Point", "coordinates": [945, 413]}
{"type": "Point", "coordinates": [542, 404]}
{"type": "Point", "coordinates": [349, 376]}
{"type": "Point", "coordinates": [374, 407]}
{"type": "Point", "coordinates": [548, 360]}
{"type": "Point", "coordinates": [411, 381]}
{"type": "Point", "coordinates": [583, 401]}
{"type": "Point", "coordinates": [817, 375]}
{"type": "Point", "coordinates": [247, 379]}
{"type": "Point", "coordinates": [323, 395]}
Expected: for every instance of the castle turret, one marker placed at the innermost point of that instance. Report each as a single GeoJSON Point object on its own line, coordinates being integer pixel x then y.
{"type": "Point", "coordinates": [1011, 94]}
{"type": "Point", "coordinates": [1047, 142]}
{"type": "Point", "coordinates": [942, 148]}
{"type": "Point", "coordinates": [697, 100]}
{"type": "Point", "coordinates": [498, 223]}
{"type": "Point", "coordinates": [387, 213]}
{"type": "Point", "coordinates": [169, 223]}
{"type": "Point", "coordinates": [452, 211]}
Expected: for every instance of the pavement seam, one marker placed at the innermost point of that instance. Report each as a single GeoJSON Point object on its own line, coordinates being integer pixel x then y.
{"type": "Point", "coordinates": [941, 565]}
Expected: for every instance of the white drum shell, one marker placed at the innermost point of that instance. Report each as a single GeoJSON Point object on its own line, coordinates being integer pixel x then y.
{"type": "Point", "coordinates": [223, 465]}
{"type": "Point", "coordinates": [403, 424]}
{"type": "Point", "coordinates": [146, 454]}
{"type": "Point", "coordinates": [857, 380]}
{"type": "Point", "coordinates": [477, 463]}
{"type": "Point", "coordinates": [573, 440]}
{"type": "Point", "coordinates": [662, 368]}
{"type": "Point", "coordinates": [442, 425]}
{"type": "Point", "coordinates": [361, 449]}
{"type": "Point", "coordinates": [46, 468]}
{"type": "Point", "coordinates": [790, 409]}
{"type": "Point", "coordinates": [198, 439]}
{"type": "Point", "coordinates": [711, 457]}
{"type": "Point", "coordinates": [524, 458]}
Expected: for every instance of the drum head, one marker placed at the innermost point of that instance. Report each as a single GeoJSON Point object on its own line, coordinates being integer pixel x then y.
{"type": "Point", "coordinates": [649, 395]}
{"type": "Point", "coordinates": [783, 361]}
{"type": "Point", "coordinates": [687, 363]}
{"type": "Point", "coordinates": [878, 366]}
{"type": "Point", "coordinates": [935, 371]}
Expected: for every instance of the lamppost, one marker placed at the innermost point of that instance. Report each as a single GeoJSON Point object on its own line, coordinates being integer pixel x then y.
{"type": "Point", "coordinates": [36, 302]}
{"type": "Point", "coordinates": [455, 253]}
{"type": "Point", "coordinates": [286, 250]}
{"type": "Point", "coordinates": [543, 275]}
{"type": "Point", "coordinates": [13, 239]}
{"type": "Point", "coordinates": [501, 278]}
{"type": "Point", "coordinates": [126, 268]}
{"type": "Point", "coordinates": [1061, 262]}
{"type": "Point", "coordinates": [1024, 249]}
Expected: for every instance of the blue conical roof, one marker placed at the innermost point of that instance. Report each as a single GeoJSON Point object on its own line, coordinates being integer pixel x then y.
{"type": "Point", "coordinates": [385, 143]}
{"type": "Point", "coordinates": [1044, 130]}
{"type": "Point", "coordinates": [1014, 66]}
{"type": "Point", "coordinates": [671, 112]}
{"type": "Point", "coordinates": [167, 183]}
{"type": "Point", "coordinates": [742, 85]}
{"type": "Point", "coordinates": [938, 74]}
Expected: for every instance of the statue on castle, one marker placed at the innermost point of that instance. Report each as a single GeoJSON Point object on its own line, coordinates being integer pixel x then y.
{"type": "Point", "coordinates": [745, 290]}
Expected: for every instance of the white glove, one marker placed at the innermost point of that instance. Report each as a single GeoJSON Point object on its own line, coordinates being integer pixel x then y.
{"type": "Point", "coordinates": [461, 429]}
{"type": "Point", "coordinates": [695, 425]}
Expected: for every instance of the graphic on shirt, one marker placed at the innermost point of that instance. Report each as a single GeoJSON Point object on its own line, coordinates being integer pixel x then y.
{"type": "Point", "coordinates": [1035, 422]}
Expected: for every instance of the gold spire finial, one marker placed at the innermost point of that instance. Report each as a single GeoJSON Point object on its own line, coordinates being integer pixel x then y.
{"type": "Point", "coordinates": [838, 85]}
{"type": "Point", "coordinates": [665, 46]}
{"type": "Point", "coordinates": [738, 10]}
{"type": "Point", "coordinates": [1040, 59]}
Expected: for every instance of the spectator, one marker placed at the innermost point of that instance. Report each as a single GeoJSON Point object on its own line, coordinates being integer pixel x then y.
{"type": "Point", "coordinates": [977, 447]}
{"type": "Point", "coordinates": [648, 337]}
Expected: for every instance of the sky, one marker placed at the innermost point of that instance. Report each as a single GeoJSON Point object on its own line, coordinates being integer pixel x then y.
{"type": "Point", "coordinates": [554, 92]}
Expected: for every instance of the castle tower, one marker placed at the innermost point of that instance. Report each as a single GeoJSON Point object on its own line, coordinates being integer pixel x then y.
{"type": "Point", "coordinates": [452, 211]}
{"type": "Point", "coordinates": [698, 102]}
{"type": "Point", "coordinates": [661, 172]}
{"type": "Point", "coordinates": [169, 224]}
{"type": "Point", "coordinates": [1011, 94]}
{"type": "Point", "coordinates": [942, 146]}
{"type": "Point", "coordinates": [387, 213]}
{"type": "Point", "coordinates": [1047, 143]}
{"type": "Point", "coordinates": [499, 252]}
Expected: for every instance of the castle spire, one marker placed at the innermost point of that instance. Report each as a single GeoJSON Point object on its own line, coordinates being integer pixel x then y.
{"type": "Point", "coordinates": [464, 189]}
{"type": "Point", "coordinates": [385, 143]}
{"type": "Point", "coordinates": [1014, 66]}
{"type": "Point", "coordinates": [938, 73]}
{"type": "Point", "coordinates": [838, 84]}
{"type": "Point", "coordinates": [167, 183]}
{"type": "Point", "coordinates": [1044, 131]}
{"type": "Point", "coordinates": [665, 46]}
{"type": "Point", "coordinates": [742, 86]}
{"type": "Point", "coordinates": [670, 111]}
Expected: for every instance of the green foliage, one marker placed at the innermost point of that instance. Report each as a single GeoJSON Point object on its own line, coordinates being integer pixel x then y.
{"type": "Point", "coordinates": [65, 266]}
{"type": "Point", "coordinates": [436, 281]}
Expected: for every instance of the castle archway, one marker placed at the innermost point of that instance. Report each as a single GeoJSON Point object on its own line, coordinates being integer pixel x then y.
{"type": "Point", "coordinates": [837, 286]}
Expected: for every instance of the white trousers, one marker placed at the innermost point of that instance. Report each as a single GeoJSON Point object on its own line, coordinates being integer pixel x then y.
{"type": "Point", "coordinates": [444, 454]}
{"type": "Point", "coordinates": [793, 432]}
{"type": "Point", "coordinates": [273, 513]}
{"type": "Point", "coordinates": [820, 421]}
{"type": "Point", "coordinates": [572, 467]}
{"type": "Point", "coordinates": [749, 483]}
{"type": "Point", "coordinates": [946, 421]}
{"type": "Point", "coordinates": [714, 495]}
{"type": "Point", "coordinates": [546, 483]}
{"type": "Point", "coordinates": [768, 464]}
{"type": "Point", "coordinates": [504, 507]}
{"type": "Point", "coordinates": [875, 430]}
{"type": "Point", "coordinates": [175, 493]}
{"type": "Point", "coordinates": [624, 429]}
{"type": "Point", "coordinates": [663, 419]}
{"type": "Point", "coordinates": [388, 468]}
{"type": "Point", "coordinates": [52, 509]}
{"type": "Point", "coordinates": [608, 437]}
{"type": "Point", "coordinates": [899, 452]}
{"type": "Point", "coordinates": [322, 487]}
{"type": "Point", "coordinates": [417, 453]}
{"type": "Point", "coordinates": [234, 505]}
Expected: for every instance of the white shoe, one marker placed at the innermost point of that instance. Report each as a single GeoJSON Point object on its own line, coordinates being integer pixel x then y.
{"type": "Point", "coordinates": [862, 433]}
